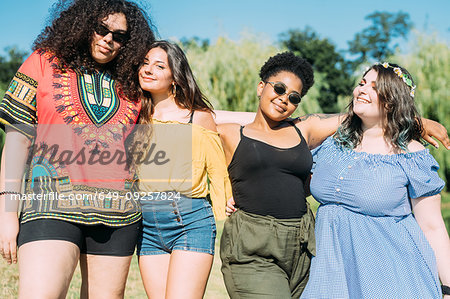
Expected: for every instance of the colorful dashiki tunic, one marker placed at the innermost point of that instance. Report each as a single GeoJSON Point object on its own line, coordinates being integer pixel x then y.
{"type": "Point", "coordinates": [78, 123]}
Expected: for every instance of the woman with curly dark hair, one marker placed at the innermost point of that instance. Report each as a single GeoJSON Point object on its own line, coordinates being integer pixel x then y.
{"type": "Point", "coordinates": [268, 242]}
{"type": "Point", "coordinates": [75, 100]}
{"type": "Point", "coordinates": [369, 179]}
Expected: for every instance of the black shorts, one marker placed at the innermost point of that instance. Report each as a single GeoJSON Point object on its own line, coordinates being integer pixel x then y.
{"type": "Point", "coordinates": [91, 239]}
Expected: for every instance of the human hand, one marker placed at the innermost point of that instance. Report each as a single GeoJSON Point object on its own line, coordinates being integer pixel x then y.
{"type": "Point", "coordinates": [9, 229]}
{"type": "Point", "coordinates": [434, 129]}
{"type": "Point", "coordinates": [230, 209]}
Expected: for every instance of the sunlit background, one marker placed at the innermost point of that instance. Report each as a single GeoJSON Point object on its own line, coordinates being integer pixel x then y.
{"type": "Point", "coordinates": [227, 42]}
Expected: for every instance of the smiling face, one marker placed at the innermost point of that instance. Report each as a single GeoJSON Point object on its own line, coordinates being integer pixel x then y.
{"type": "Point", "coordinates": [155, 75]}
{"type": "Point", "coordinates": [366, 103]}
{"type": "Point", "coordinates": [103, 48]}
{"type": "Point", "coordinates": [278, 107]}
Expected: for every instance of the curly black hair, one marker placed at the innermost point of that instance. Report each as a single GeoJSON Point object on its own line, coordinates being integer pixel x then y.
{"type": "Point", "coordinates": [71, 31]}
{"type": "Point", "coordinates": [289, 62]}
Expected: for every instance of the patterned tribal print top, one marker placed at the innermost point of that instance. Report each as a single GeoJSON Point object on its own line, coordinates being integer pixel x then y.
{"type": "Point", "coordinates": [78, 123]}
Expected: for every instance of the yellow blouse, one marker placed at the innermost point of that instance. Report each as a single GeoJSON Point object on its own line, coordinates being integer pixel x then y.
{"type": "Point", "coordinates": [185, 158]}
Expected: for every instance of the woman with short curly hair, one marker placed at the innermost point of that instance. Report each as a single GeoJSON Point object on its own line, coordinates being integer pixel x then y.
{"type": "Point", "coordinates": [74, 100]}
{"type": "Point", "coordinates": [267, 243]}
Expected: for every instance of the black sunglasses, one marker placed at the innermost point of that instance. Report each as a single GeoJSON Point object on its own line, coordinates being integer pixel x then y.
{"type": "Point", "coordinates": [280, 89]}
{"type": "Point", "coordinates": [120, 37]}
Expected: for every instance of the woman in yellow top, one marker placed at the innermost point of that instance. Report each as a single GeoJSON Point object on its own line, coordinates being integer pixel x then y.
{"type": "Point", "coordinates": [181, 162]}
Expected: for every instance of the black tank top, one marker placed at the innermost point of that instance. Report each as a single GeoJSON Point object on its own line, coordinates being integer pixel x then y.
{"type": "Point", "coordinates": [268, 180]}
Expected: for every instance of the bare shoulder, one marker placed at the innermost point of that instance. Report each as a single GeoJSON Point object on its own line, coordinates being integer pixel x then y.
{"type": "Point", "coordinates": [204, 119]}
{"type": "Point", "coordinates": [298, 122]}
{"type": "Point", "coordinates": [230, 136]}
{"type": "Point", "coordinates": [228, 129]}
{"type": "Point", "coordinates": [415, 146]}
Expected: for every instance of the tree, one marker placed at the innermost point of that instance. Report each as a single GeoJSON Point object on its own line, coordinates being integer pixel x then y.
{"type": "Point", "coordinates": [325, 59]}
{"type": "Point", "coordinates": [10, 65]}
{"type": "Point", "coordinates": [375, 41]}
{"type": "Point", "coordinates": [228, 73]}
{"type": "Point", "coordinates": [194, 42]}
{"type": "Point", "coordinates": [429, 65]}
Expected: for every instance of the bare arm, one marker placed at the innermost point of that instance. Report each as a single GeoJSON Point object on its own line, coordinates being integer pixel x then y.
{"type": "Point", "coordinates": [242, 118]}
{"type": "Point", "coordinates": [427, 211]}
{"type": "Point", "coordinates": [230, 137]}
{"type": "Point", "coordinates": [317, 127]}
{"type": "Point", "coordinates": [15, 153]}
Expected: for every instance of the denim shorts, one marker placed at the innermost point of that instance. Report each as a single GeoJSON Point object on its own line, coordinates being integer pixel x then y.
{"type": "Point", "coordinates": [181, 223]}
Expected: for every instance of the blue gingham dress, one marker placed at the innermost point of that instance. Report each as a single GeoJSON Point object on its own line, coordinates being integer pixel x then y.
{"type": "Point", "coordinates": [368, 242]}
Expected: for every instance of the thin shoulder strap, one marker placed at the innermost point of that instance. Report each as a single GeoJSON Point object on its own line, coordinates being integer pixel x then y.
{"type": "Point", "coordinates": [296, 129]}
{"type": "Point", "coordinates": [242, 128]}
{"type": "Point", "coordinates": [192, 117]}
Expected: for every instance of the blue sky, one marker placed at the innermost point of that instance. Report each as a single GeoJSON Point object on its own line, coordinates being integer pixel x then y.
{"type": "Point", "coordinates": [22, 20]}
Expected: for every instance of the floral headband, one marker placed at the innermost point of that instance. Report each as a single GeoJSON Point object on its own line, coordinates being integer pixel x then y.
{"type": "Point", "coordinates": [402, 76]}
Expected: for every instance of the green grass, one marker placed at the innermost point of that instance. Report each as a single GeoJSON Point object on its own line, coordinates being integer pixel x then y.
{"type": "Point", "coordinates": [215, 289]}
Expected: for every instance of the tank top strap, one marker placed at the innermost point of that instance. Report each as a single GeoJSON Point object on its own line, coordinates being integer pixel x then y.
{"type": "Point", "coordinates": [242, 128]}
{"type": "Point", "coordinates": [296, 129]}
{"type": "Point", "coordinates": [191, 118]}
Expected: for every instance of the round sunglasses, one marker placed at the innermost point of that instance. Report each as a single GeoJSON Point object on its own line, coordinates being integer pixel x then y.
{"type": "Point", "coordinates": [280, 89]}
{"type": "Point", "coordinates": [118, 36]}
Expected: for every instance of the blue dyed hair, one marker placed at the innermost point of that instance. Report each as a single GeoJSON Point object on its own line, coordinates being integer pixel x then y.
{"type": "Point", "coordinates": [402, 122]}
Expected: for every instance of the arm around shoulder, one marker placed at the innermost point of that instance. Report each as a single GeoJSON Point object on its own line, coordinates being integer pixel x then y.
{"type": "Point", "coordinates": [237, 117]}
{"type": "Point", "coordinates": [317, 127]}
{"type": "Point", "coordinates": [434, 129]}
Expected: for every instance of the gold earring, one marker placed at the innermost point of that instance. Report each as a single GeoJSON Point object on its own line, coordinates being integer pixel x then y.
{"type": "Point", "coordinates": [174, 89]}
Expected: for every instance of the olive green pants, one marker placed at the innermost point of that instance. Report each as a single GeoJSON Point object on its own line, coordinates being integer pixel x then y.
{"type": "Point", "coordinates": [265, 257]}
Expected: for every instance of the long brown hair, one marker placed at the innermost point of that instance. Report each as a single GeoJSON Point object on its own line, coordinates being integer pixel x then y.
{"type": "Point", "coordinates": [188, 94]}
{"type": "Point", "coordinates": [401, 123]}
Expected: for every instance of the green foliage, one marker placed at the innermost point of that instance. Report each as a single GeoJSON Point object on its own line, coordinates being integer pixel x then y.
{"type": "Point", "coordinates": [325, 59]}
{"type": "Point", "coordinates": [228, 73]}
{"type": "Point", "coordinates": [310, 103]}
{"type": "Point", "coordinates": [9, 65]}
{"type": "Point", "coordinates": [429, 64]}
{"type": "Point", "coordinates": [375, 41]}
{"type": "Point", "coordinates": [194, 42]}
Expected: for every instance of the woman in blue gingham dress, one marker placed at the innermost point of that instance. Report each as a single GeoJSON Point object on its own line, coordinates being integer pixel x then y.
{"type": "Point", "coordinates": [369, 244]}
